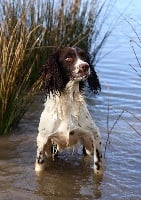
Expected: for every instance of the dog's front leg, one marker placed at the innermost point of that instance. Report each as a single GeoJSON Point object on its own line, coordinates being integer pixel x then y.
{"type": "Point", "coordinates": [98, 164]}
{"type": "Point", "coordinates": [40, 157]}
{"type": "Point", "coordinates": [92, 143]}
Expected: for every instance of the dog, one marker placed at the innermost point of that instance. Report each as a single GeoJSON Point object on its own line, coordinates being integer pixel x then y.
{"type": "Point", "coordinates": [65, 120]}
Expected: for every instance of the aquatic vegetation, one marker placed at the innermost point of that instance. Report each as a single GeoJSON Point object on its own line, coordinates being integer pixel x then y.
{"type": "Point", "coordinates": [29, 31]}
{"type": "Point", "coordinates": [16, 87]}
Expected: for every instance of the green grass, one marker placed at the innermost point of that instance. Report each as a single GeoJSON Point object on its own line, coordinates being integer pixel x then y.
{"type": "Point", "coordinates": [29, 31]}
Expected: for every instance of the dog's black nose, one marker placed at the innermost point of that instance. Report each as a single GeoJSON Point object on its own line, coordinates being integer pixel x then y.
{"type": "Point", "coordinates": [83, 67]}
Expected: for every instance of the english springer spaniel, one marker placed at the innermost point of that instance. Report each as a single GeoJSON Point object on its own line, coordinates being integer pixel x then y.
{"type": "Point", "coordinates": [65, 120]}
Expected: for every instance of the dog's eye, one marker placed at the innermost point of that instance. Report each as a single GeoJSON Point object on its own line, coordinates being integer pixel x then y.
{"type": "Point", "coordinates": [68, 59]}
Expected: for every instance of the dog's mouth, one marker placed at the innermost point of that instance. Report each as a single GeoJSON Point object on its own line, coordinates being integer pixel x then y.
{"type": "Point", "coordinates": [81, 75]}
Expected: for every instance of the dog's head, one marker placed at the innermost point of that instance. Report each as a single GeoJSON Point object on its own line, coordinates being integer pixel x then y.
{"type": "Point", "coordinates": [68, 64]}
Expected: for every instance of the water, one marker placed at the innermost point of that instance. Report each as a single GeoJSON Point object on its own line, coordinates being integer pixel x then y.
{"type": "Point", "coordinates": [71, 177]}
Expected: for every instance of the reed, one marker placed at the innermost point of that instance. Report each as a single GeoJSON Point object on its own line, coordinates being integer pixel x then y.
{"type": "Point", "coordinates": [29, 31]}
{"type": "Point", "coordinates": [136, 47]}
{"type": "Point", "coordinates": [15, 77]}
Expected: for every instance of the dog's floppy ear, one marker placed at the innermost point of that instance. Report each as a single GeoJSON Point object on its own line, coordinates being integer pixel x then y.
{"type": "Point", "coordinates": [51, 76]}
{"type": "Point", "coordinates": [93, 81]}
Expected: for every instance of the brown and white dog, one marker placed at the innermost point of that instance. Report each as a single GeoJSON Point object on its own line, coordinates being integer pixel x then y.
{"type": "Point", "coordinates": [65, 120]}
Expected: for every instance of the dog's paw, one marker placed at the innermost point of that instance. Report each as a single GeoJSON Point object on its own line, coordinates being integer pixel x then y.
{"type": "Point", "coordinates": [40, 161]}
{"type": "Point", "coordinates": [39, 165]}
{"type": "Point", "coordinates": [98, 168]}
{"type": "Point", "coordinates": [40, 158]}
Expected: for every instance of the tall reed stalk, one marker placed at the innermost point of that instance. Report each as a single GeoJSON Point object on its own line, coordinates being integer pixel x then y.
{"type": "Point", "coordinates": [29, 31]}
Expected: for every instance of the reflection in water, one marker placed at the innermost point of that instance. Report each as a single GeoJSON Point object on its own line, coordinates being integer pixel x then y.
{"type": "Point", "coordinates": [68, 179]}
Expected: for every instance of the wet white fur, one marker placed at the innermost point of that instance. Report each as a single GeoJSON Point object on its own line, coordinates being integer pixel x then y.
{"type": "Point", "coordinates": [62, 115]}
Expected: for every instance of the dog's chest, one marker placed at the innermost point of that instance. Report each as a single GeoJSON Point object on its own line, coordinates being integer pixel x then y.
{"type": "Point", "coordinates": [67, 108]}
{"type": "Point", "coordinates": [65, 113]}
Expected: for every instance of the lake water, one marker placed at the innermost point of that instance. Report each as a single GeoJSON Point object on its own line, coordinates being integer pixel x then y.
{"type": "Point", "coordinates": [116, 110]}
